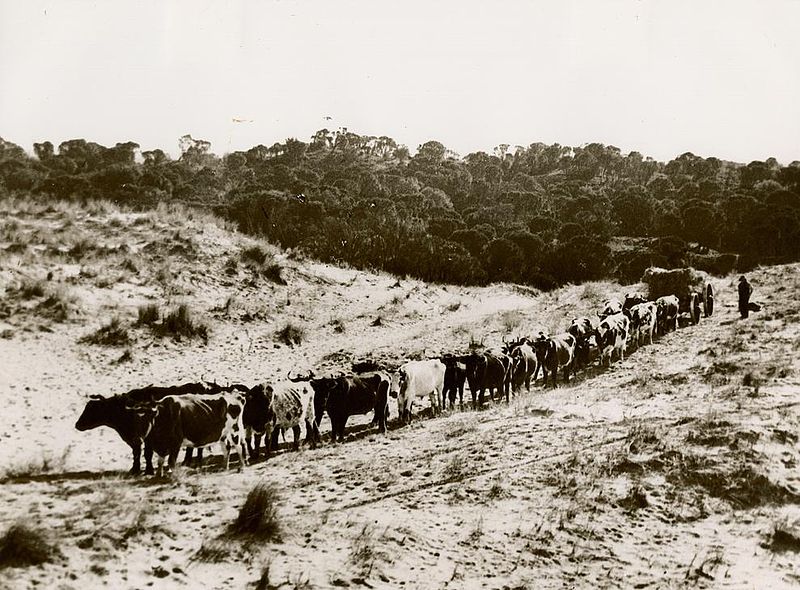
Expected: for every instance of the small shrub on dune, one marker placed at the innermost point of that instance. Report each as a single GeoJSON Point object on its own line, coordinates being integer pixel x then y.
{"type": "Point", "coordinates": [291, 334]}
{"type": "Point", "coordinates": [60, 305]}
{"type": "Point", "coordinates": [511, 320]}
{"type": "Point", "coordinates": [81, 249]}
{"type": "Point", "coordinates": [258, 518]}
{"type": "Point", "coordinates": [30, 288]}
{"type": "Point", "coordinates": [255, 254]}
{"type": "Point", "coordinates": [22, 546]}
{"type": "Point", "coordinates": [112, 334]}
{"type": "Point", "coordinates": [148, 314]}
{"type": "Point", "coordinates": [273, 272]}
{"type": "Point", "coordinates": [179, 323]}
{"type": "Point", "coordinates": [263, 263]}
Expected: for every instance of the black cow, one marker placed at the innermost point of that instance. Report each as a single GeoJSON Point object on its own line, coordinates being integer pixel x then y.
{"type": "Point", "coordinates": [117, 412]}
{"type": "Point", "coordinates": [488, 371]}
{"type": "Point", "coordinates": [455, 374]}
{"type": "Point", "coordinates": [345, 396]}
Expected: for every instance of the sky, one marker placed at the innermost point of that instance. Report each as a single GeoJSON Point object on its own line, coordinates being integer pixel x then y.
{"type": "Point", "coordinates": [715, 78]}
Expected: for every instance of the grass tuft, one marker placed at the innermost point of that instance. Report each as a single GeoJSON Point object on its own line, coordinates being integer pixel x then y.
{"type": "Point", "coordinates": [112, 334]}
{"type": "Point", "coordinates": [148, 314]}
{"type": "Point", "coordinates": [258, 518]}
{"type": "Point", "coordinates": [22, 546]}
{"type": "Point", "coordinates": [291, 334]}
{"type": "Point", "coordinates": [180, 324]}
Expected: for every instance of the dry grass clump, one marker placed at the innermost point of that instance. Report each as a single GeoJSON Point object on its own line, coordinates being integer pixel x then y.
{"type": "Point", "coordinates": [148, 314]}
{"type": "Point", "coordinates": [29, 288]}
{"type": "Point", "coordinates": [34, 467]}
{"type": "Point", "coordinates": [300, 582]}
{"type": "Point", "coordinates": [112, 334]}
{"type": "Point", "coordinates": [456, 468]}
{"type": "Point", "coordinates": [180, 323]}
{"type": "Point", "coordinates": [59, 305]}
{"type": "Point", "coordinates": [511, 320]}
{"type": "Point", "coordinates": [740, 484]}
{"type": "Point", "coordinates": [785, 536]}
{"type": "Point", "coordinates": [22, 546]}
{"type": "Point", "coordinates": [263, 263]}
{"type": "Point", "coordinates": [258, 518]}
{"type": "Point", "coordinates": [291, 334]}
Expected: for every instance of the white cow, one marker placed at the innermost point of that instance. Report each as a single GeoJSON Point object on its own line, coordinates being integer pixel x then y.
{"type": "Point", "coordinates": [643, 322]}
{"type": "Point", "coordinates": [612, 336]}
{"type": "Point", "coordinates": [418, 379]}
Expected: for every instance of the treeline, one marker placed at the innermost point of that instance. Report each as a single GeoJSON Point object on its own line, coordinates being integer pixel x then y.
{"type": "Point", "coordinates": [541, 215]}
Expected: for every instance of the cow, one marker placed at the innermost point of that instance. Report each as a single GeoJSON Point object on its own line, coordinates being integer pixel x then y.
{"type": "Point", "coordinates": [611, 306]}
{"type": "Point", "coordinates": [345, 396]}
{"type": "Point", "coordinates": [195, 420]}
{"type": "Point", "coordinates": [667, 313]}
{"type": "Point", "coordinates": [271, 408]}
{"type": "Point", "coordinates": [643, 322]}
{"type": "Point", "coordinates": [488, 371]}
{"type": "Point", "coordinates": [611, 336]}
{"type": "Point", "coordinates": [632, 299]}
{"type": "Point", "coordinates": [582, 329]}
{"type": "Point", "coordinates": [418, 379]}
{"type": "Point", "coordinates": [117, 412]}
{"type": "Point", "coordinates": [524, 365]}
{"type": "Point", "coordinates": [455, 374]}
{"type": "Point", "coordinates": [555, 353]}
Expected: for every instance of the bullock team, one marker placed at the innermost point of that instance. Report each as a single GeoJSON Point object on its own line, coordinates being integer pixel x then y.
{"type": "Point", "coordinates": [162, 420]}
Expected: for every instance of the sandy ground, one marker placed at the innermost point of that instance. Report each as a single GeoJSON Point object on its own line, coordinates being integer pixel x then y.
{"type": "Point", "coordinates": [672, 468]}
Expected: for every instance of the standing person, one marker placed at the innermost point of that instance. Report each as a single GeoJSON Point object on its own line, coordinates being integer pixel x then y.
{"type": "Point", "coordinates": [745, 291]}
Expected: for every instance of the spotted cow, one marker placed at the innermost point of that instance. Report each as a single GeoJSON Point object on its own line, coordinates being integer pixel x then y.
{"type": "Point", "coordinates": [193, 420]}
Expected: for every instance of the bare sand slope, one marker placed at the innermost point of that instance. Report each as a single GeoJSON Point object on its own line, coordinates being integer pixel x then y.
{"type": "Point", "coordinates": [675, 467]}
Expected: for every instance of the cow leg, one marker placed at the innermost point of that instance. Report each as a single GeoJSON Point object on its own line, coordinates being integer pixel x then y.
{"type": "Point", "coordinates": [225, 447]}
{"type": "Point", "coordinates": [160, 471]}
{"type": "Point", "coordinates": [256, 446]}
{"type": "Point", "coordinates": [173, 459]}
{"type": "Point", "coordinates": [268, 442]}
{"type": "Point", "coordinates": [296, 432]}
{"type": "Point", "coordinates": [137, 465]}
{"type": "Point", "coordinates": [187, 457]}
{"type": "Point", "coordinates": [148, 458]}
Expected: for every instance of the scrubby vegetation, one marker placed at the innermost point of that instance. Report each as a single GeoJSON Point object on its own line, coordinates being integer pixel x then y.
{"type": "Point", "coordinates": [258, 518]}
{"type": "Point", "coordinates": [22, 546]}
{"type": "Point", "coordinates": [538, 214]}
{"type": "Point", "coordinates": [114, 333]}
{"type": "Point", "coordinates": [180, 323]}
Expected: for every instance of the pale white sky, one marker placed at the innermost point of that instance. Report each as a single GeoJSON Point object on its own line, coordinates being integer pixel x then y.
{"type": "Point", "coordinates": [715, 78]}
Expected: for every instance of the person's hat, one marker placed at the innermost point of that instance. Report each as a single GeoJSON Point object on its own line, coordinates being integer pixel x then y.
{"type": "Point", "coordinates": [742, 278]}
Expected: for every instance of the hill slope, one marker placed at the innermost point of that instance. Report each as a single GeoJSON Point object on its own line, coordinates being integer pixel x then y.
{"type": "Point", "coordinates": [676, 464]}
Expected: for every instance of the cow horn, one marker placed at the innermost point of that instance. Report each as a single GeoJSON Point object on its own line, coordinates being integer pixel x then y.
{"type": "Point", "coordinates": [96, 396]}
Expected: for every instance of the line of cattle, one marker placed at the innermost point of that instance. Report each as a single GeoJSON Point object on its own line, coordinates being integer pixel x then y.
{"type": "Point", "coordinates": [162, 420]}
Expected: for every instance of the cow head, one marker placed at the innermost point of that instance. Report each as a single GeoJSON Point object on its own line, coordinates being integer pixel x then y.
{"type": "Point", "coordinates": [98, 411]}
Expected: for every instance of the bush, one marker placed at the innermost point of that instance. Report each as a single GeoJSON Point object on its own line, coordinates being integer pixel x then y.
{"type": "Point", "coordinates": [22, 546]}
{"type": "Point", "coordinates": [30, 289]}
{"type": "Point", "coordinates": [179, 323]}
{"type": "Point", "coordinates": [148, 314]}
{"type": "Point", "coordinates": [255, 254]}
{"type": "Point", "coordinates": [112, 334]}
{"type": "Point", "coordinates": [291, 334]}
{"type": "Point", "coordinates": [258, 517]}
